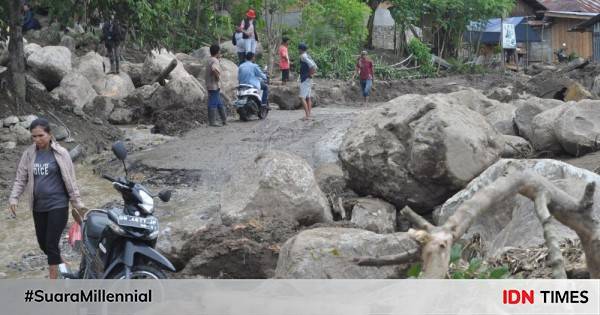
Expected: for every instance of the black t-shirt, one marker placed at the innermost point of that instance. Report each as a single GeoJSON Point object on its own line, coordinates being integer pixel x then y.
{"type": "Point", "coordinates": [49, 191]}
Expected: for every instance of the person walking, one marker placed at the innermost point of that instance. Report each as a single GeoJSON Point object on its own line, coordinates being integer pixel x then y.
{"type": "Point", "coordinates": [213, 86]}
{"type": "Point", "coordinates": [308, 68]}
{"type": "Point", "coordinates": [240, 44]}
{"type": "Point", "coordinates": [284, 60]}
{"type": "Point", "coordinates": [364, 69]}
{"type": "Point", "coordinates": [248, 27]}
{"type": "Point", "coordinates": [47, 177]}
{"type": "Point", "coordinates": [112, 36]}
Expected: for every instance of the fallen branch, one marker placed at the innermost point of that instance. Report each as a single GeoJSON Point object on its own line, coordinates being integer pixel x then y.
{"type": "Point", "coordinates": [403, 61]}
{"type": "Point", "coordinates": [436, 241]}
{"type": "Point", "coordinates": [166, 71]}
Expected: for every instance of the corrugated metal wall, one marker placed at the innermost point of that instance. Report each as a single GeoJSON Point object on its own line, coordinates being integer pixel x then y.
{"type": "Point", "coordinates": [596, 41]}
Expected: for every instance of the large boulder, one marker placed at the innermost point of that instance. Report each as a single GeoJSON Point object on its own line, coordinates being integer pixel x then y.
{"type": "Point", "coordinates": [178, 93]}
{"type": "Point", "coordinates": [275, 184]}
{"type": "Point", "coordinates": [577, 92]}
{"type": "Point", "coordinates": [134, 70]}
{"type": "Point", "coordinates": [374, 215]}
{"type": "Point", "coordinates": [543, 136]}
{"type": "Point", "coordinates": [327, 253]}
{"type": "Point", "coordinates": [327, 149]}
{"type": "Point", "coordinates": [93, 66]}
{"type": "Point", "coordinates": [140, 96]}
{"type": "Point", "coordinates": [499, 115]}
{"type": "Point", "coordinates": [191, 64]}
{"type": "Point", "coordinates": [418, 150]}
{"type": "Point", "coordinates": [578, 128]}
{"type": "Point", "coordinates": [75, 91]}
{"type": "Point", "coordinates": [513, 221]}
{"type": "Point", "coordinates": [121, 116]}
{"type": "Point", "coordinates": [101, 107]}
{"type": "Point", "coordinates": [69, 42]}
{"type": "Point", "coordinates": [287, 97]}
{"type": "Point", "coordinates": [30, 48]}
{"type": "Point", "coordinates": [117, 86]}
{"type": "Point", "coordinates": [50, 64]}
{"type": "Point", "coordinates": [529, 108]}
{"type": "Point", "coordinates": [156, 62]}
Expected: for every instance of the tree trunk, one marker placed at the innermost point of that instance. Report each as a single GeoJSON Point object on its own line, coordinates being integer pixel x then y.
{"type": "Point", "coordinates": [15, 50]}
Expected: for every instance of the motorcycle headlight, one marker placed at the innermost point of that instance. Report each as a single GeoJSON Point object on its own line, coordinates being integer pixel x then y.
{"type": "Point", "coordinates": [147, 202]}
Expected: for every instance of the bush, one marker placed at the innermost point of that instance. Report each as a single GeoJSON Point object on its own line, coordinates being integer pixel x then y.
{"type": "Point", "coordinates": [422, 55]}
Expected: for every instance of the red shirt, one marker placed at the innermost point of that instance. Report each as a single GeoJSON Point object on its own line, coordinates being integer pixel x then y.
{"type": "Point", "coordinates": [284, 63]}
{"type": "Point", "coordinates": [365, 69]}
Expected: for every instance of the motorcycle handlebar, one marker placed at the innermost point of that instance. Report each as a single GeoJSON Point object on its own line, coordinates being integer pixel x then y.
{"type": "Point", "coordinates": [110, 178]}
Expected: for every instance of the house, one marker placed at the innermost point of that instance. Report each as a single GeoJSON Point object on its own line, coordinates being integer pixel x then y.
{"type": "Point", "coordinates": [562, 16]}
{"type": "Point", "coordinates": [593, 26]}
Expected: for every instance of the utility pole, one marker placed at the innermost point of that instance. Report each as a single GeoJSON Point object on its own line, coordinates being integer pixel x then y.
{"type": "Point", "coordinates": [15, 49]}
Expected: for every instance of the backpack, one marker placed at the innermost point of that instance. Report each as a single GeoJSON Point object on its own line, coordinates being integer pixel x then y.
{"type": "Point", "coordinates": [233, 39]}
{"type": "Point", "coordinates": [112, 31]}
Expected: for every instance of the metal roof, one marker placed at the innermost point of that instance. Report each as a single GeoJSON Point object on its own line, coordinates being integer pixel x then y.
{"type": "Point", "coordinates": [587, 6]}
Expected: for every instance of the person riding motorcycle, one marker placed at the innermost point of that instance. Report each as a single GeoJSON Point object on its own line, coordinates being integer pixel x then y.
{"type": "Point", "coordinates": [250, 73]}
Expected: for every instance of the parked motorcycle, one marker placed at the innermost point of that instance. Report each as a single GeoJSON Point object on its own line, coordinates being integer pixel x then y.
{"type": "Point", "coordinates": [119, 243]}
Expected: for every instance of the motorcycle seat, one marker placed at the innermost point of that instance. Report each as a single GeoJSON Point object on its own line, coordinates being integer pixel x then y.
{"type": "Point", "coordinates": [246, 86]}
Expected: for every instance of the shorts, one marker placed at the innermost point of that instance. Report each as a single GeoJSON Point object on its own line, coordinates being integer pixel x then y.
{"type": "Point", "coordinates": [285, 75]}
{"type": "Point", "coordinates": [214, 99]}
{"type": "Point", "coordinates": [305, 88]}
{"type": "Point", "coordinates": [365, 86]}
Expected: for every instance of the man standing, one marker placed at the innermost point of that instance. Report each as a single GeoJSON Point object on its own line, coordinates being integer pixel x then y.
{"type": "Point", "coordinates": [284, 60]}
{"type": "Point", "coordinates": [364, 68]}
{"type": "Point", "coordinates": [212, 78]}
{"type": "Point", "coordinates": [308, 68]}
{"type": "Point", "coordinates": [250, 73]}
{"type": "Point", "coordinates": [112, 36]}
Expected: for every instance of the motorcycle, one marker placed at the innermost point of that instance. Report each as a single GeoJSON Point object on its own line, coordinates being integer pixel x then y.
{"type": "Point", "coordinates": [249, 102]}
{"type": "Point", "coordinates": [119, 243]}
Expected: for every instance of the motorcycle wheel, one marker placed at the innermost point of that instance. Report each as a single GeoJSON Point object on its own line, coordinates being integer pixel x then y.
{"type": "Point", "coordinates": [263, 112]}
{"type": "Point", "coordinates": [243, 114]}
{"type": "Point", "coordinates": [140, 272]}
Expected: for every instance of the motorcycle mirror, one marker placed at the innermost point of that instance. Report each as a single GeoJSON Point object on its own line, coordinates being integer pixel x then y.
{"type": "Point", "coordinates": [119, 150]}
{"type": "Point", "coordinates": [165, 195]}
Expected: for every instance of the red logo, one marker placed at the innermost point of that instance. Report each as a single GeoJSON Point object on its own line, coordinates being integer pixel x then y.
{"type": "Point", "coordinates": [517, 297]}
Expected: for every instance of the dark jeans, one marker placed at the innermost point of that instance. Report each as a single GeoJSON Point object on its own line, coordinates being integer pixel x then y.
{"type": "Point", "coordinates": [265, 93]}
{"type": "Point", "coordinates": [114, 54]}
{"type": "Point", "coordinates": [48, 229]}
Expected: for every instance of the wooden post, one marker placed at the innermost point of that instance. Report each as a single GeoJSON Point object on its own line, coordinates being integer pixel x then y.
{"type": "Point", "coordinates": [15, 49]}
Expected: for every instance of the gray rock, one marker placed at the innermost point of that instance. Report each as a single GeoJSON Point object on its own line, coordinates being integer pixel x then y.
{"type": "Point", "coordinates": [8, 145]}
{"type": "Point", "coordinates": [529, 108]}
{"type": "Point", "coordinates": [327, 253]}
{"type": "Point", "coordinates": [327, 149]}
{"type": "Point", "coordinates": [513, 222]}
{"type": "Point", "coordinates": [134, 70]}
{"type": "Point", "coordinates": [543, 129]}
{"type": "Point", "coordinates": [578, 128]}
{"type": "Point", "coordinates": [180, 92]}
{"type": "Point", "coordinates": [117, 86]}
{"type": "Point", "coordinates": [34, 84]}
{"type": "Point", "coordinates": [101, 107]}
{"type": "Point", "coordinates": [29, 49]}
{"type": "Point", "coordinates": [596, 86]}
{"type": "Point", "coordinates": [27, 120]}
{"type": "Point", "coordinates": [50, 65]}
{"type": "Point", "coordinates": [374, 215]}
{"type": "Point", "coordinates": [201, 53]}
{"type": "Point", "coordinates": [140, 96]}
{"type": "Point", "coordinates": [286, 96]}
{"type": "Point", "coordinates": [75, 90]}
{"type": "Point", "coordinates": [418, 150]}
{"type": "Point", "coordinates": [60, 132]}
{"type": "Point", "coordinates": [23, 135]}
{"type": "Point", "coordinates": [158, 60]}
{"type": "Point", "coordinates": [68, 42]}
{"type": "Point", "coordinates": [1, 124]}
{"type": "Point", "coordinates": [92, 66]}
{"type": "Point", "coordinates": [275, 184]}
{"type": "Point", "coordinates": [7, 136]}
{"type": "Point", "coordinates": [516, 147]}
{"type": "Point", "coordinates": [121, 116]}
{"type": "Point", "coordinates": [10, 120]}
{"type": "Point", "coordinates": [499, 115]}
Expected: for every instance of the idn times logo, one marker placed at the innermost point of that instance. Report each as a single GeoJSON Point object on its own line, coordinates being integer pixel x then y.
{"type": "Point", "coordinates": [513, 296]}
